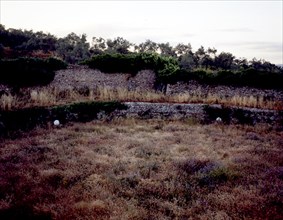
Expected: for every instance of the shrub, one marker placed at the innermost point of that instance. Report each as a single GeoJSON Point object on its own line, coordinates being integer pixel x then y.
{"type": "Point", "coordinates": [193, 166]}
{"type": "Point", "coordinates": [22, 119]}
{"type": "Point", "coordinates": [164, 67]}
{"type": "Point", "coordinates": [55, 64]}
{"type": "Point", "coordinates": [248, 77]}
{"type": "Point", "coordinates": [211, 113]}
{"type": "Point", "coordinates": [84, 111]}
{"type": "Point", "coordinates": [203, 173]}
{"type": "Point", "coordinates": [217, 175]}
{"type": "Point", "coordinates": [243, 117]}
{"type": "Point", "coordinates": [29, 71]}
{"type": "Point", "coordinates": [26, 119]}
{"type": "Point", "coordinates": [262, 79]}
{"type": "Point", "coordinates": [111, 63]}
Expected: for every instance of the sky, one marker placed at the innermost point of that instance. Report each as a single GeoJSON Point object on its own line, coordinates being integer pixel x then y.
{"type": "Point", "coordinates": [244, 28]}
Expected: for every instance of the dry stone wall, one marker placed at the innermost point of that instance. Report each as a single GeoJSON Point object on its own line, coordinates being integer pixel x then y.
{"type": "Point", "coordinates": [200, 112]}
{"type": "Point", "coordinates": [194, 88]}
{"type": "Point", "coordinates": [82, 76]}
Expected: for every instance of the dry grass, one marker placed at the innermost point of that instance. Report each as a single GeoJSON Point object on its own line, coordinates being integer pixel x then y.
{"type": "Point", "coordinates": [53, 96]}
{"type": "Point", "coordinates": [7, 101]}
{"type": "Point", "coordinates": [131, 169]}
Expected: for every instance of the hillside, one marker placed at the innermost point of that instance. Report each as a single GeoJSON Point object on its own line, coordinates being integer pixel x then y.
{"type": "Point", "coordinates": [162, 132]}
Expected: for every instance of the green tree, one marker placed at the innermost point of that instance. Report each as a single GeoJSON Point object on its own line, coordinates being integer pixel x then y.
{"type": "Point", "coordinates": [182, 49]}
{"type": "Point", "coordinates": [199, 55]}
{"type": "Point", "coordinates": [98, 46]}
{"type": "Point", "coordinates": [73, 48]}
{"type": "Point", "coordinates": [241, 64]}
{"type": "Point", "coordinates": [147, 46]}
{"type": "Point", "coordinates": [118, 45]}
{"type": "Point", "coordinates": [187, 61]}
{"type": "Point", "coordinates": [166, 49]}
{"type": "Point", "coordinates": [224, 61]}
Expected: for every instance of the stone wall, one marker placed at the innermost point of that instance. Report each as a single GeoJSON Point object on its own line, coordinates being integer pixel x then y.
{"type": "Point", "coordinates": [195, 88]}
{"type": "Point", "coordinates": [11, 122]}
{"type": "Point", "coordinates": [200, 112]}
{"type": "Point", "coordinates": [82, 76]}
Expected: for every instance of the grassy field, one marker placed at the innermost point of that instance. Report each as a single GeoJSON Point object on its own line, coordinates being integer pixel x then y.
{"type": "Point", "coordinates": [132, 169]}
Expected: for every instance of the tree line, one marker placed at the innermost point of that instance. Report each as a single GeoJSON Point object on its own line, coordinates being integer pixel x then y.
{"type": "Point", "coordinates": [74, 48]}
{"type": "Point", "coordinates": [204, 64]}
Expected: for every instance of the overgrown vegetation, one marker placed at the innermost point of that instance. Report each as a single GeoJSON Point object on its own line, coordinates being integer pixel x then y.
{"type": "Point", "coordinates": [165, 67]}
{"type": "Point", "coordinates": [246, 77]}
{"type": "Point", "coordinates": [149, 169]}
{"type": "Point", "coordinates": [168, 71]}
{"type": "Point", "coordinates": [29, 71]}
{"type": "Point", "coordinates": [25, 119]}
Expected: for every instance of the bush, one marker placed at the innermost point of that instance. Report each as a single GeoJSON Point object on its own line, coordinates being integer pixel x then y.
{"type": "Point", "coordinates": [216, 175]}
{"type": "Point", "coordinates": [84, 111]}
{"type": "Point", "coordinates": [203, 172]}
{"type": "Point", "coordinates": [112, 63]}
{"type": "Point", "coordinates": [28, 118]}
{"type": "Point", "coordinates": [55, 64]}
{"type": "Point", "coordinates": [29, 71]}
{"type": "Point", "coordinates": [212, 112]}
{"type": "Point", "coordinates": [164, 67]}
{"type": "Point", "coordinates": [249, 77]}
{"type": "Point", "coordinates": [262, 79]}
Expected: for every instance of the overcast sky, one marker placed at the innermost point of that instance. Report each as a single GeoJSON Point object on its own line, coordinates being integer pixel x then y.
{"type": "Point", "coordinates": [245, 28]}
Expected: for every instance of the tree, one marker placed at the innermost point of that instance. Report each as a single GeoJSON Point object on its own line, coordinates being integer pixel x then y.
{"type": "Point", "coordinates": [207, 61]}
{"type": "Point", "coordinates": [166, 49]}
{"type": "Point", "coordinates": [263, 65]}
{"type": "Point", "coordinates": [241, 63]}
{"type": "Point", "coordinates": [211, 52]}
{"type": "Point", "coordinates": [199, 55]}
{"type": "Point", "coordinates": [182, 49]}
{"type": "Point", "coordinates": [73, 48]}
{"type": "Point", "coordinates": [187, 61]}
{"type": "Point", "coordinates": [224, 60]}
{"type": "Point", "coordinates": [147, 46]}
{"type": "Point", "coordinates": [118, 45]}
{"type": "Point", "coordinates": [98, 46]}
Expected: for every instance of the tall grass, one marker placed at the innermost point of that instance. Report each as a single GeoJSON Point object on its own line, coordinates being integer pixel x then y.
{"type": "Point", "coordinates": [8, 101]}
{"type": "Point", "coordinates": [53, 96]}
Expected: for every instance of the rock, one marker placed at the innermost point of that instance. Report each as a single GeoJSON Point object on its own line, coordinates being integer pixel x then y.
{"type": "Point", "coordinates": [56, 123]}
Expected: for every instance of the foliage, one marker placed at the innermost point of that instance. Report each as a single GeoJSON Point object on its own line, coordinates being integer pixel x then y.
{"type": "Point", "coordinates": [228, 115]}
{"type": "Point", "coordinates": [84, 111]}
{"type": "Point", "coordinates": [212, 112]}
{"type": "Point", "coordinates": [134, 62]}
{"type": "Point", "coordinates": [16, 42]}
{"type": "Point", "coordinates": [29, 71]}
{"type": "Point", "coordinates": [120, 55]}
{"type": "Point", "coordinates": [55, 64]}
{"type": "Point", "coordinates": [248, 77]}
{"type": "Point", "coordinates": [73, 48]}
{"type": "Point", "coordinates": [27, 118]}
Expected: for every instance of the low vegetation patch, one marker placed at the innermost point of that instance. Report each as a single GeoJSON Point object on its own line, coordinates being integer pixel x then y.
{"type": "Point", "coordinates": [129, 169]}
{"type": "Point", "coordinates": [29, 71]}
{"type": "Point", "coordinates": [27, 118]}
